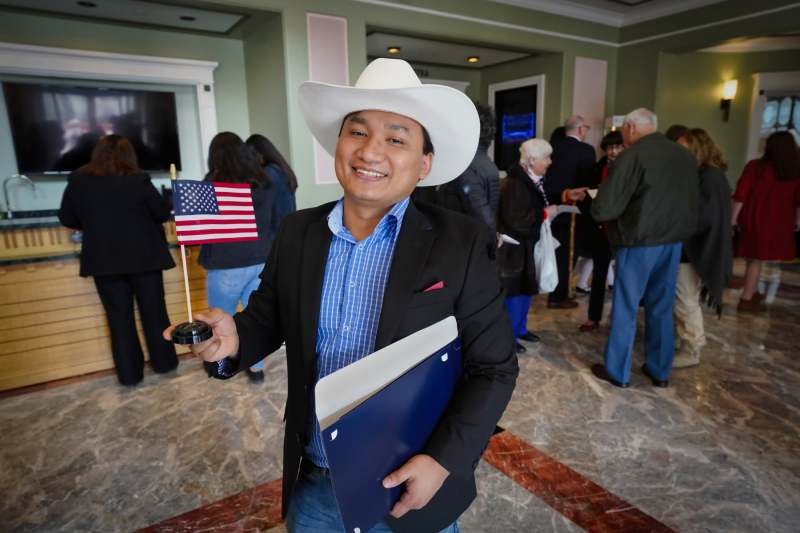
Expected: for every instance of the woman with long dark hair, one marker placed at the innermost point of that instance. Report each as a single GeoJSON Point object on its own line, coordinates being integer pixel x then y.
{"type": "Point", "coordinates": [124, 248]}
{"type": "Point", "coordinates": [766, 209]}
{"type": "Point", "coordinates": [234, 268]}
{"type": "Point", "coordinates": [282, 176]}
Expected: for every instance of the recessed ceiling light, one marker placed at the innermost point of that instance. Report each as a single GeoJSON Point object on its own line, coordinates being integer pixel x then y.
{"type": "Point", "coordinates": [188, 18]}
{"type": "Point", "coordinates": [393, 49]}
{"type": "Point", "coordinates": [473, 59]}
{"type": "Point", "coordinates": [87, 4]}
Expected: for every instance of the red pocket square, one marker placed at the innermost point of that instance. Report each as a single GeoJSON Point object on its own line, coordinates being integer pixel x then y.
{"type": "Point", "coordinates": [435, 287]}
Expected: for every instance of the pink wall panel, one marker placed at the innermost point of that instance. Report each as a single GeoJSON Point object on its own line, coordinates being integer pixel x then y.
{"type": "Point", "coordinates": [327, 62]}
{"type": "Point", "coordinates": [589, 96]}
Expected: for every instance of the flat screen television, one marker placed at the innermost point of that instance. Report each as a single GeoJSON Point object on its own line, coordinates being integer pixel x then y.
{"type": "Point", "coordinates": [55, 127]}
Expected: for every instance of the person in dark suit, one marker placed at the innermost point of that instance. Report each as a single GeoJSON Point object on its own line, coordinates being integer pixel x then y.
{"type": "Point", "coordinates": [121, 214]}
{"type": "Point", "coordinates": [573, 161]}
{"type": "Point", "coordinates": [476, 192]}
{"type": "Point", "coordinates": [350, 277]}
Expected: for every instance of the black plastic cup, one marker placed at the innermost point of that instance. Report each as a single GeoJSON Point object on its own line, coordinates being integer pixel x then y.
{"type": "Point", "coordinates": [191, 332]}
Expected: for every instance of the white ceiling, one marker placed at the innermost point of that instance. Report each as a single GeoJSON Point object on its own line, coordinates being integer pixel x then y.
{"type": "Point", "coordinates": [758, 44]}
{"type": "Point", "coordinates": [149, 13]}
{"type": "Point", "coordinates": [436, 52]}
{"type": "Point", "coordinates": [611, 12]}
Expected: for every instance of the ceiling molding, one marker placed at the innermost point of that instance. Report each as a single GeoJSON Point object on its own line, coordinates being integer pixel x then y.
{"type": "Point", "coordinates": [609, 17]}
{"type": "Point", "coordinates": [656, 10]}
{"type": "Point", "coordinates": [712, 24]}
{"type": "Point", "coordinates": [757, 44]}
{"type": "Point", "coordinates": [528, 29]}
{"type": "Point", "coordinates": [148, 13]}
{"type": "Point", "coordinates": [487, 22]}
{"type": "Point", "coordinates": [604, 12]}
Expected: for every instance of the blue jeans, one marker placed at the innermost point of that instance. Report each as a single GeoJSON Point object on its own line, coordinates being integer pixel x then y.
{"type": "Point", "coordinates": [517, 307]}
{"type": "Point", "coordinates": [229, 286]}
{"type": "Point", "coordinates": [313, 508]}
{"type": "Point", "coordinates": [646, 274]}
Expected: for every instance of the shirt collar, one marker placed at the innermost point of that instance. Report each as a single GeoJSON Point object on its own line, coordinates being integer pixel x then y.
{"type": "Point", "coordinates": [391, 220]}
{"type": "Point", "coordinates": [575, 137]}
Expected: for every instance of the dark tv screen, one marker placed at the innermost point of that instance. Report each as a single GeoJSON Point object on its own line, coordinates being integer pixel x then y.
{"type": "Point", "coordinates": [55, 128]}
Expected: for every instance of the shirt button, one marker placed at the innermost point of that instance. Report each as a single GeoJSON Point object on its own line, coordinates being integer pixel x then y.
{"type": "Point", "coordinates": [352, 284]}
{"type": "Point", "coordinates": [346, 328]}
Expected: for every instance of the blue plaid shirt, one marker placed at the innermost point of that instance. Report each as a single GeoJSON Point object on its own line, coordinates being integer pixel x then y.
{"type": "Point", "coordinates": [352, 295]}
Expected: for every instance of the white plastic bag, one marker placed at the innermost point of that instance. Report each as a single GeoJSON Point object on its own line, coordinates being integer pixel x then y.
{"type": "Point", "coordinates": [544, 259]}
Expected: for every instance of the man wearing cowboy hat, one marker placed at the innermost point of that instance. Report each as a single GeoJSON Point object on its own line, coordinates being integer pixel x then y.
{"type": "Point", "coordinates": [350, 277]}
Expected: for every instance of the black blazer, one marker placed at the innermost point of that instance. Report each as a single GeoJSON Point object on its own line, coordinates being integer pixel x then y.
{"type": "Point", "coordinates": [433, 245]}
{"type": "Point", "coordinates": [121, 218]}
{"type": "Point", "coordinates": [573, 161]}
{"type": "Point", "coordinates": [520, 216]}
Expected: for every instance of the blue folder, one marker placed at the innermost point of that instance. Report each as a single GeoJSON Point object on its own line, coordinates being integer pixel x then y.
{"type": "Point", "coordinates": [379, 412]}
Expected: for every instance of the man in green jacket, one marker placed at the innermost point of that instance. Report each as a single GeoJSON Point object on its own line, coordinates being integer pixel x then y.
{"type": "Point", "coordinates": [650, 201]}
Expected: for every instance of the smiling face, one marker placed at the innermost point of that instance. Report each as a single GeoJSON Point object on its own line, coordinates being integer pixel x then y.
{"type": "Point", "coordinates": [379, 158]}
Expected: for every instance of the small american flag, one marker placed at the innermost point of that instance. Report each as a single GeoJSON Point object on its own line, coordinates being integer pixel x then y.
{"type": "Point", "coordinates": [208, 212]}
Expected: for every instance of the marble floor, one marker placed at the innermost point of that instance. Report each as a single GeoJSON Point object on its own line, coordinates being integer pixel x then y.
{"type": "Point", "coordinates": [717, 451]}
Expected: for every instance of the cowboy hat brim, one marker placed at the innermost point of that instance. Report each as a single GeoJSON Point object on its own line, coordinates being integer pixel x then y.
{"type": "Point", "coordinates": [447, 114]}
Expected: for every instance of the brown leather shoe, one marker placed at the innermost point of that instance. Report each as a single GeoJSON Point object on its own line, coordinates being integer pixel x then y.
{"type": "Point", "coordinates": [589, 326]}
{"type": "Point", "coordinates": [563, 304]}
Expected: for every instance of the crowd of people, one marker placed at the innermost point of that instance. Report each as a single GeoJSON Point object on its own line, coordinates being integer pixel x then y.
{"type": "Point", "coordinates": [658, 207]}
{"type": "Point", "coordinates": [668, 191]}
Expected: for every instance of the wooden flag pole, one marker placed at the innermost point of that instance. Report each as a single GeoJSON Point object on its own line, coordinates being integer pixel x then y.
{"type": "Point", "coordinates": [173, 175]}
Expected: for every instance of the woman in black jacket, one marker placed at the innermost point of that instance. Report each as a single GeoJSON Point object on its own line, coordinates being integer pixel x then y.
{"type": "Point", "coordinates": [234, 267]}
{"type": "Point", "coordinates": [523, 208]}
{"type": "Point", "coordinates": [121, 214]}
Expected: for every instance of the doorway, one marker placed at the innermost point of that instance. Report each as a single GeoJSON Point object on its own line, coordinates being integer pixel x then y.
{"type": "Point", "coordinates": [518, 106]}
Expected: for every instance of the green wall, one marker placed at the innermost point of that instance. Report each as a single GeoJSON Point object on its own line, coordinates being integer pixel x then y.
{"type": "Point", "coordinates": [266, 79]}
{"type": "Point", "coordinates": [690, 88]}
{"type": "Point", "coordinates": [230, 89]}
{"type": "Point", "coordinates": [638, 62]}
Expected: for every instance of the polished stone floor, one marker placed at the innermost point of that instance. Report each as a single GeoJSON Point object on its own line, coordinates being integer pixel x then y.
{"type": "Point", "coordinates": [719, 450]}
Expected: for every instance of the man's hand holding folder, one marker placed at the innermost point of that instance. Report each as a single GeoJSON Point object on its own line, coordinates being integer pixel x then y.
{"type": "Point", "coordinates": [423, 477]}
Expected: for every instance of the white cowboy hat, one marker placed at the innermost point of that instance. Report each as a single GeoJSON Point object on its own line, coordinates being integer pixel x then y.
{"type": "Point", "coordinates": [391, 85]}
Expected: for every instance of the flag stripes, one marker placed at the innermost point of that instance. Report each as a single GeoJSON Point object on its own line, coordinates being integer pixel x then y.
{"type": "Point", "coordinates": [209, 212]}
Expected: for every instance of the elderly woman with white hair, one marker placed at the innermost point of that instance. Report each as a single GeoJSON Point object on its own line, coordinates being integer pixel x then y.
{"type": "Point", "coordinates": [523, 208]}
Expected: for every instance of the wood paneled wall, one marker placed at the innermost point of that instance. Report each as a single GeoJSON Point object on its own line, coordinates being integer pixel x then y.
{"type": "Point", "coordinates": [52, 324]}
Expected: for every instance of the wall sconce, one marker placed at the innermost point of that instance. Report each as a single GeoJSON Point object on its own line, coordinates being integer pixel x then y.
{"type": "Point", "coordinates": [728, 94]}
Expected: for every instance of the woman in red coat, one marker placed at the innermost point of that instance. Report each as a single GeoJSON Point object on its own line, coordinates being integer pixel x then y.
{"type": "Point", "coordinates": [766, 208]}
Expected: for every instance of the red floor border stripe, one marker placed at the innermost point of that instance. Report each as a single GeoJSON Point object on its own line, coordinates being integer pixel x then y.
{"type": "Point", "coordinates": [256, 509]}
{"type": "Point", "coordinates": [577, 498]}
{"type": "Point", "coordinates": [581, 500]}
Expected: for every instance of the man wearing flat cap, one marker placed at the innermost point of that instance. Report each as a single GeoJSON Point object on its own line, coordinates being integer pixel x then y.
{"type": "Point", "coordinates": [353, 276]}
